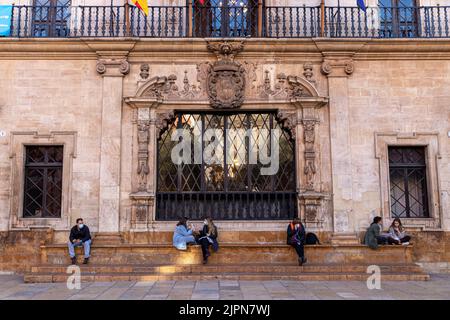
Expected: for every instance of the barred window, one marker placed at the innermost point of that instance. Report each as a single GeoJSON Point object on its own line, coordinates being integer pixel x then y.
{"type": "Point", "coordinates": [43, 181]}
{"type": "Point", "coordinates": [232, 187]}
{"type": "Point", "coordinates": [408, 182]}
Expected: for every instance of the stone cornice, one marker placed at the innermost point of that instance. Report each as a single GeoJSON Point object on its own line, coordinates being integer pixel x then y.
{"type": "Point", "coordinates": [273, 49]}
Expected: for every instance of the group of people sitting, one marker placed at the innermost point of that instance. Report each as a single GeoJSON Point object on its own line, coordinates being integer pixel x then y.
{"type": "Point", "coordinates": [207, 237]}
{"type": "Point", "coordinates": [396, 234]}
{"type": "Point", "coordinates": [186, 234]}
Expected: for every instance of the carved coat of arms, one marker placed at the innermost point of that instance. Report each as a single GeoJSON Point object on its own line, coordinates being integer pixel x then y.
{"type": "Point", "coordinates": [225, 81]}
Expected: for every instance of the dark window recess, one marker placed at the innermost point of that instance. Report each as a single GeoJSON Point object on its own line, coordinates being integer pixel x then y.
{"type": "Point", "coordinates": [51, 18]}
{"type": "Point", "coordinates": [225, 18]}
{"type": "Point", "coordinates": [408, 182]}
{"type": "Point", "coordinates": [231, 189]}
{"type": "Point", "coordinates": [43, 182]}
{"type": "Point", "coordinates": [398, 18]}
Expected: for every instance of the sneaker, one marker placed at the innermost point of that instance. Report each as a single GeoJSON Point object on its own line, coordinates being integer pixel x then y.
{"type": "Point", "coordinates": [86, 261]}
{"type": "Point", "coordinates": [300, 262]}
{"type": "Point", "coordinates": [205, 261]}
{"type": "Point", "coordinates": [305, 260]}
{"type": "Point", "coordinates": [74, 260]}
{"type": "Point", "coordinates": [405, 244]}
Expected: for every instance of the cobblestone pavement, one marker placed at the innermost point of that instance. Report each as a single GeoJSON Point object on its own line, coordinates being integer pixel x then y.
{"type": "Point", "coordinates": [12, 287]}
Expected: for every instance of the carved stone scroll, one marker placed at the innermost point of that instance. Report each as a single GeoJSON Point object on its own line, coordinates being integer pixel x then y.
{"type": "Point", "coordinates": [285, 88]}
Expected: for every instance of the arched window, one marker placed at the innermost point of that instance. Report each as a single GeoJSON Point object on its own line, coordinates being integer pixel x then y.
{"type": "Point", "coordinates": [225, 18]}
{"type": "Point", "coordinates": [398, 18]}
{"type": "Point", "coordinates": [51, 18]}
{"type": "Point", "coordinates": [224, 181]}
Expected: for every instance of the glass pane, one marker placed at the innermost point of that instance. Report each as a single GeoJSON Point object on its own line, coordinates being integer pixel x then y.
{"type": "Point", "coordinates": [33, 193]}
{"type": "Point", "coordinates": [53, 193]}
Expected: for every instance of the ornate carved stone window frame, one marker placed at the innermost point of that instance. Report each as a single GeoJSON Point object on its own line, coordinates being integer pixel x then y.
{"type": "Point", "coordinates": [18, 141]}
{"type": "Point", "coordinates": [430, 140]}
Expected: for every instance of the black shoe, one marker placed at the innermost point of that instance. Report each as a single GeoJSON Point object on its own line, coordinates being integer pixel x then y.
{"type": "Point", "coordinates": [74, 260]}
{"type": "Point", "coordinates": [86, 261]}
{"type": "Point", "coordinates": [304, 260]}
{"type": "Point", "coordinates": [300, 262]}
{"type": "Point", "coordinates": [205, 261]}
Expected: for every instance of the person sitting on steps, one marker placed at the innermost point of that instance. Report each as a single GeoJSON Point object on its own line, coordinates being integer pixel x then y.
{"type": "Point", "coordinates": [79, 236]}
{"type": "Point", "coordinates": [296, 238]}
{"type": "Point", "coordinates": [373, 236]}
{"type": "Point", "coordinates": [183, 234]}
{"type": "Point", "coordinates": [208, 237]}
{"type": "Point", "coordinates": [397, 233]}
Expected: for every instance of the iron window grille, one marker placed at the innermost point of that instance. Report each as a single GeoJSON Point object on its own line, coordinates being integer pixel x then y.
{"type": "Point", "coordinates": [408, 182]}
{"type": "Point", "coordinates": [233, 189]}
{"type": "Point", "coordinates": [43, 181]}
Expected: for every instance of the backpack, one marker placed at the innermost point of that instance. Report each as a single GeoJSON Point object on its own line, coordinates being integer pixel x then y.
{"type": "Point", "coordinates": [311, 238]}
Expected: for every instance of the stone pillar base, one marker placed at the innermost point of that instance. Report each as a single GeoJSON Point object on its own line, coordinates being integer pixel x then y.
{"type": "Point", "coordinates": [344, 239]}
{"type": "Point", "coordinates": [113, 238]}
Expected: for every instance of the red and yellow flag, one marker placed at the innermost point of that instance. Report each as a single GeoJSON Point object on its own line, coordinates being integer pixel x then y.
{"type": "Point", "coordinates": [141, 4]}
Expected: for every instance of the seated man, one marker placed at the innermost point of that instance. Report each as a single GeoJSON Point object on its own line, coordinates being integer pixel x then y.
{"type": "Point", "coordinates": [79, 236]}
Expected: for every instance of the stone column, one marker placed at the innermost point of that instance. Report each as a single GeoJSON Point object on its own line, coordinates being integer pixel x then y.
{"type": "Point", "coordinates": [112, 67]}
{"type": "Point", "coordinates": [338, 68]}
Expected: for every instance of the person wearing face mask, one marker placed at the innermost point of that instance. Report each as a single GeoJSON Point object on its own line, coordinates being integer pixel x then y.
{"type": "Point", "coordinates": [183, 234]}
{"type": "Point", "coordinates": [296, 238]}
{"type": "Point", "coordinates": [208, 237]}
{"type": "Point", "coordinates": [79, 236]}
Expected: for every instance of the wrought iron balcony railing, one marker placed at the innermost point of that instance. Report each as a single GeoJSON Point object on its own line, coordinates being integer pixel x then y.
{"type": "Point", "coordinates": [231, 21]}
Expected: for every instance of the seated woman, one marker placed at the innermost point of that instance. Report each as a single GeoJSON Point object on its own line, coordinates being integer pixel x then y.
{"type": "Point", "coordinates": [373, 235]}
{"type": "Point", "coordinates": [397, 233]}
{"type": "Point", "coordinates": [183, 234]}
{"type": "Point", "coordinates": [208, 237]}
{"type": "Point", "coordinates": [296, 238]}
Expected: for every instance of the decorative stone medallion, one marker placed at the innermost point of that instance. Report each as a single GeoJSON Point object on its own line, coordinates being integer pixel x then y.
{"type": "Point", "coordinates": [225, 80]}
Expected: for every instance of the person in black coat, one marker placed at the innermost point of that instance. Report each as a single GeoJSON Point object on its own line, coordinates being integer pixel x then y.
{"type": "Point", "coordinates": [296, 236]}
{"type": "Point", "coordinates": [208, 237]}
{"type": "Point", "coordinates": [79, 236]}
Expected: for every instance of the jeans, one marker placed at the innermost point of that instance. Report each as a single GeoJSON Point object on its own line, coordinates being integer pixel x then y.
{"type": "Point", "coordinates": [86, 245]}
{"type": "Point", "coordinates": [299, 248]}
{"type": "Point", "coordinates": [205, 248]}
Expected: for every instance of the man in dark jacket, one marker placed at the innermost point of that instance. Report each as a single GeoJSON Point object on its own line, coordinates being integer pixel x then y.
{"type": "Point", "coordinates": [80, 236]}
{"type": "Point", "coordinates": [296, 237]}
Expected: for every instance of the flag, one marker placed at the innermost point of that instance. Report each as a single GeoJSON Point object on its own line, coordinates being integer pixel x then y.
{"type": "Point", "coordinates": [5, 20]}
{"type": "Point", "coordinates": [142, 5]}
{"type": "Point", "coordinates": [361, 5]}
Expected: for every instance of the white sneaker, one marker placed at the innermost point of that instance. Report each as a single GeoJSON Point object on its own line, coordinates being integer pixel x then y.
{"type": "Point", "coordinates": [405, 244]}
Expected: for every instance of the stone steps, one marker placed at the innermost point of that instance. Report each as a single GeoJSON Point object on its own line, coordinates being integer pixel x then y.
{"type": "Point", "coordinates": [311, 276]}
{"type": "Point", "coordinates": [234, 261]}
{"type": "Point", "coordinates": [274, 269]}
{"type": "Point", "coordinates": [232, 254]}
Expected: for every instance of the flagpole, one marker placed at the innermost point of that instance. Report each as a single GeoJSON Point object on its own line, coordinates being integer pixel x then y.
{"type": "Point", "coordinates": [127, 18]}
{"type": "Point", "coordinates": [322, 18]}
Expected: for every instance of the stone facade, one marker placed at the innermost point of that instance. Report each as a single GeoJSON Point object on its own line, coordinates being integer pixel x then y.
{"type": "Point", "coordinates": [106, 101]}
